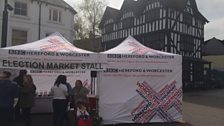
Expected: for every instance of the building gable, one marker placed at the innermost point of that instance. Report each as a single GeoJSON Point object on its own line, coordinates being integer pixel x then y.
{"type": "Point", "coordinates": [196, 11]}
{"type": "Point", "coordinates": [213, 46]}
{"type": "Point", "coordinates": [186, 5]}
{"type": "Point", "coordinates": [174, 26]}
{"type": "Point", "coordinates": [167, 25]}
{"type": "Point", "coordinates": [134, 6]}
{"type": "Point", "coordinates": [110, 14]}
{"type": "Point", "coordinates": [31, 20]}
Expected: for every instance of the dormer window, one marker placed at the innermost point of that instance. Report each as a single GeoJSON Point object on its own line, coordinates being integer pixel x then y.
{"type": "Point", "coordinates": [109, 25]}
{"type": "Point", "coordinates": [188, 8]}
{"type": "Point", "coordinates": [127, 15]}
{"type": "Point", "coordinates": [109, 21]}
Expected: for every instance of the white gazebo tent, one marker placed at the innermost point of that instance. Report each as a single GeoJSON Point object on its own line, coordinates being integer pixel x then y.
{"type": "Point", "coordinates": [140, 85]}
{"type": "Point", "coordinates": [136, 84]}
{"type": "Point", "coordinates": [49, 57]}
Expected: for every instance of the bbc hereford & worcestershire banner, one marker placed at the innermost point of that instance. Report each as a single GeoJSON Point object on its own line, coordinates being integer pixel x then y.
{"type": "Point", "coordinates": [24, 59]}
{"type": "Point", "coordinates": [135, 91]}
{"type": "Point", "coordinates": [140, 85]}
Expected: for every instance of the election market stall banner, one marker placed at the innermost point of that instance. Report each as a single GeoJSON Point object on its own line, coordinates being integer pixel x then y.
{"type": "Point", "coordinates": [140, 85]}
{"type": "Point", "coordinates": [47, 58]}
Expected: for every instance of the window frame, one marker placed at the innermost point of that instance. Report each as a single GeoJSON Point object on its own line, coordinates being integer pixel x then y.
{"type": "Point", "coordinates": [18, 39]}
{"type": "Point", "coordinates": [55, 15]}
{"type": "Point", "coordinates": [187, 43]}
{"type": "Point", "coordinates": [20, 11]}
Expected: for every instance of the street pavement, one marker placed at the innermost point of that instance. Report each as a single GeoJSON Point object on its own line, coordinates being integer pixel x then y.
{"type": "Point", "coordinates": [200, 108]}
{"type": "Point", "coordinates": [204, 108]}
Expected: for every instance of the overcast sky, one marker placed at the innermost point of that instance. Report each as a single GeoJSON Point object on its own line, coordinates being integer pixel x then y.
{"type": "Point", "coordinates": [213, 10]}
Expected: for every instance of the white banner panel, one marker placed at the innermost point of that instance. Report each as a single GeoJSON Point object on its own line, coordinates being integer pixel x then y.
{"type": "Point", "coordinates": [141, 91]}
{"type": "Point", "coordinates": [25, 59]}
{"type": "Point", "coordinates": [49, 57]}
{"type": "Point", "coordinates": [136, 84]}
{"type": "Point", "coordinates": [46, 66]}
{"type": "Point", "coordinates": [44, 80]}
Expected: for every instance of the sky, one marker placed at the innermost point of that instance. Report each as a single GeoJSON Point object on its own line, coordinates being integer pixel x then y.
{"type": "Point", "coordinates": [213, 10]}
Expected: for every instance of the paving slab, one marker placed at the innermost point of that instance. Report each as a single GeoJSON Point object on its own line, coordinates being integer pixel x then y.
{"type": "Point", "coordinates": [204, 108]}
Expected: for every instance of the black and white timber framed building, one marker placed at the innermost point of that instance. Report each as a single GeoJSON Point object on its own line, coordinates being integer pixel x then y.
{"type": "Point", "coordinates": [174, 26]}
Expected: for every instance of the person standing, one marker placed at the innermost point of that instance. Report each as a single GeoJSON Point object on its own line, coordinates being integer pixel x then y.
{"type": "Point", "coordinates": [9, 93]}
{"type": "Point", "coordinates": [80, 93]}
{"type": "Point", "coordinates": [79, 96]}
{"type": "Point", "coordinates": [19, 81]}
{"type": "Point", "coordinates": [70, 93]}
{"type": "Point", "coordinates": [59, 92]}
{"type": "Point", "coordinates": [27, 96]}
{"type": "Point", "coordinates": [83, 117]}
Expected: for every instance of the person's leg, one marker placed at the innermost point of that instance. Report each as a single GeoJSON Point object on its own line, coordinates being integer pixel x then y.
{"type": "Point", "coordinates": [62, 111]}
{"type": "Point", "coordinates": [11, 117]}
{"type": "Point", "coordinates": [75, 114]}
{"type": "Point", "coordinates": [17, 111]}
{"type": "Point", "coordinates": [67, 115]}
{"type": "Point", "coordinates": [6, 117]}
{"type": "Point", "coordinates": [3, 117]}
{"type": "Point", "coordinates": [59, 112]}
{"type": "Point", "coordinates": [55, 112]}
{"type": "Point", "coordinates": [28, 119]}
{"type": "Point", "coordinates": [26, 116]}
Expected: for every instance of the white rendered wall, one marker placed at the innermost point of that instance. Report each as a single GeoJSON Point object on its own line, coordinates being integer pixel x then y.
{"type": "Point", "coordinates": [30, 23]}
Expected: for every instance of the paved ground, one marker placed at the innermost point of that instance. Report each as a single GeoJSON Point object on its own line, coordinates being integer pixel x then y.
{"type": "Point", "coordinates": [201, 108]}
{"type": "Point", "coordinates": [204, 108]}
{"type": "Point", "coordinates": [46, 120]}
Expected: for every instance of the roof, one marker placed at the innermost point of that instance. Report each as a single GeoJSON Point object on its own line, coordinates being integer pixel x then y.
{"type": "Point", "coordinates": [181, 4]}
{"type": "Point", "coordinates": [197, 12]}
{"type": "Point", "coordinates": [213, 46]}
{"type": "Point", "coordinates": [137, 6]}
{"type": "Point", "coordinates": [109, 12]}
{"type": "Point", "coordinates": [214, 39]}
{"type": "Point", "coordinates": [131, 46]}
{"type": "Point", "coordinates": [58, 3]}
{"type": "Point", "coordinates": [53, 43]}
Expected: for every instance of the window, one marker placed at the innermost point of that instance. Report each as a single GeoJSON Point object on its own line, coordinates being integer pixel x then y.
{"type": "Point", "coordinates": [20, 8]}
{"type": "Point", "coordinates": [19, 37]}
{"type": "Point", "coordinates": [187, 43]}
{"type": "Point", "coordinates": [55, 15]}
